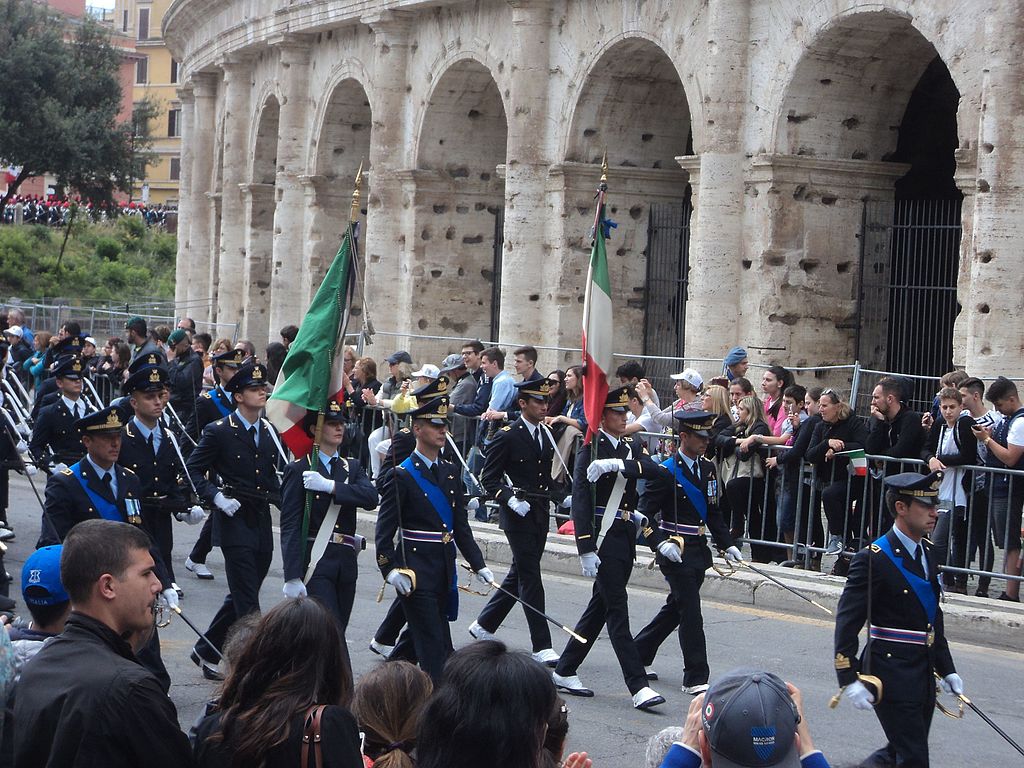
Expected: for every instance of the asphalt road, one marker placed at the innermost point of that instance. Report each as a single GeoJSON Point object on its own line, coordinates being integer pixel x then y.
{"type": "Point", "coordinates": [799, 649]}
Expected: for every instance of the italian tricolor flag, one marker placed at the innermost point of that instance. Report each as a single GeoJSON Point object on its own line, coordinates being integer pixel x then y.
{"type": "Point", "coordinates": [858, 462]}
{"type": "Point", "coordinates": [313, 370]}
{"type": "Point", "coordinates": [597, 328]}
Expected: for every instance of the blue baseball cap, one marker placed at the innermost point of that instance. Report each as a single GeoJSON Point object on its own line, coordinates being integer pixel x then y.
{"type": "Point", "coordinates": [40, 577]}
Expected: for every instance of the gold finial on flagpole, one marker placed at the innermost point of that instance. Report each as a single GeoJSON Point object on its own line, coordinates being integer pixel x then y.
{"type": "Point", "coordinates": [604, 168]}
{"type": "Point", "coordinates": [354, 215]}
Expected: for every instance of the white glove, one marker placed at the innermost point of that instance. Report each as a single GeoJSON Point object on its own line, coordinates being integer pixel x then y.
{"type": "Point", "coordinates": [171, 598]}
{"type": "Point", "coordinates": [401, 582]}
{"type": "Point", "coordinates": [859, 696]}
{"type": "Point", "coordinates": [566, 502]}
{"type": "Point", "coordinates": [952, 683]}
{"type": "Point", "coordinates": [22, 446]}
{"type": "Point", "coordinates": [485, 576]}
{"type": "Point", "coordinates": [520, 506]}
{"type": "Point", "coordinates": [24, 430]}
{"type": "Point", "coordinates": [733, 554]}
{"type": "Point", "coordinates": [670, 551]}
{"type": "Point", "coordinates": [473, 504]}
{"type": "Point", "coordinates": [30, 469]}
{"type": "Point", "coordinates": [59, 467]}
{"type": "Point", "coordinates": [590, 563]}
{"type": "Point", "coordinates": [314, 481]}
{"type": "Point", "coordinates": [195, 515]}
{"type": "Point", "coordinates": [640, 520]}
{"type": "Point", "coordinates": [226, 505]}
{"type": "Point", "coordinates": [294, 588]}
{"type": "Point", "coordinates": [602, 466]}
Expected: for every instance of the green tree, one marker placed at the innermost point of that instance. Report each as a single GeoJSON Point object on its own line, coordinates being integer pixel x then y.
{"type": "Point", "coordinates": [59, 104]}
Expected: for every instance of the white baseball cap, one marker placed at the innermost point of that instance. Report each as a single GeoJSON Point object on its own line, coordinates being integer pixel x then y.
{"type": "Point", "coordinates": [691, 377]}
{"type": "Point", "coordinates": [428, 371]}
{"type": "Point", "coordinates": [15, 330]}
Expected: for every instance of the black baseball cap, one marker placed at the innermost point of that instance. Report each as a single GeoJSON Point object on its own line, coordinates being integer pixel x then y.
{"type": "Point", "coordinates": [750, 721]}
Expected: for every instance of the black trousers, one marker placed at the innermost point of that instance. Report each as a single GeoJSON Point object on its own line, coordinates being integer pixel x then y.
{"type": "Point", "coordinates": [158, 526]}
{"type": "Point", "coordinates": [748, 503]}
{"type": "Point", "coordinates": [906, 725]}
{"type": "Point", "coordinates": [336, 594]}
{"type": "Point", "coordinates": [204, 544]}
{"type": "Point", "coordinates": [608, 604]}
{"type": "Point", "coordinates": [428, 638]}
{"type": "Point", "coordinates": [523, 580]}
{"type": "Point", "coordinates": [245, 569]}
{"type": "Point", "coordinates": [838, 512]}
{"type": "Point", "coordinates": [681, 610]}
{"type": "Point", "coordinates": [389, 629]}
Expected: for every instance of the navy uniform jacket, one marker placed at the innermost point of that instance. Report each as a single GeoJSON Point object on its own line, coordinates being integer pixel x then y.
{"type": "Point", "coordinates": [404, 505]}
{"type": "Point", "coordinates": [205, 411]}
{"type": "Point", "coordinates": [403, 443]}
{"type": "Point", "coordinates": [514, 453]}
{"type": "Point", "coordinates": [905, 669]}
{"type": "Point", "coordinates": [185, 381]}
{"type": "Point", "coordinates": [352, 489]}
{"type": "Point", "coordinates": [67, 504]}
{"type": "Point", "coordinates": [160, 478]}
{"type": "Point", "coordinates": [638, 464]}
{"type": "Point", "coordinates": [55, 428]}
{"type": "Point", "coordinates": [227, 449]}
{"type": "Point", "coordinates": [664, 496]}
{"type": "Point", "coordinates": [44, 396]}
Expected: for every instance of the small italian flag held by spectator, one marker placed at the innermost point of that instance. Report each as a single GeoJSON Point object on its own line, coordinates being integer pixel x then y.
{"type": "Point", "coordinates": [858, 462]}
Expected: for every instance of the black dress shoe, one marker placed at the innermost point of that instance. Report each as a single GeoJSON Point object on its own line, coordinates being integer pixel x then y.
{"type": "Point", "coordinates": [210, 671]}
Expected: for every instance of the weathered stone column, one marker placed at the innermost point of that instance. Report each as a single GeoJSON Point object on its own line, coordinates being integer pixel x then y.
{"type": "Point", "coordinates": [966, 178]}
{"type": "Point", "coordinates": [528, 312]}
{"type": "Point", "coordinates": [716, 242]}
{"type": "Point", "coordinates": [196, 248]}
{"type": "Point", "coordinates": [386, 282]}
{"type": "Point", "coordinates": [995, 345]}
{"type": "Point", "coordinates": [231, 259]}
{"type": "Point", "coordinates": [258, 202]}
{"type": "Point", "coordinates": [287, 304]}
{"type": "Point", "coordinates": [183, 265]}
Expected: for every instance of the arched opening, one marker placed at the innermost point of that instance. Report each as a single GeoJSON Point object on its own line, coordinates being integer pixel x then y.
{"type": "Point", "coordinates": [343, 143]}
{"type": "Point", "coordinates": [260, 207]}
{"type": "Point", "coordinates": [459, 206]}
{"type": "Point", "coordinates": [872, 88]}
{"type": "Point", "coordinates": [633, 105]}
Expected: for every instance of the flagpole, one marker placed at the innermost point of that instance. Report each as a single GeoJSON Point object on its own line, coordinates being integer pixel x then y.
{"type": "Point", "coordinates": [314, 451]}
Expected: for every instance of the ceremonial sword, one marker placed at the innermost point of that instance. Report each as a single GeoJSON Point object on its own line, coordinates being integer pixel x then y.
{"type": "Point", "coordinates": [964, 700]}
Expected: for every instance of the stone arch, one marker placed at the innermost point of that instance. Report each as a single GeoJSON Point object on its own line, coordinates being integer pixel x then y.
{"type": "Point", "coordinates": [341, 143]}
{"type": "Point", "coordinates": [458, 199]}
{"type": "Point", "coordinates": [260, 207]}
{"type": "Point", "coordinates": [632, 104]}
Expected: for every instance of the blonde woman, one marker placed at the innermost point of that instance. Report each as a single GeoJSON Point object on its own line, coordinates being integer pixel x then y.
{"type": "Point", "coordinates": [743, 473]}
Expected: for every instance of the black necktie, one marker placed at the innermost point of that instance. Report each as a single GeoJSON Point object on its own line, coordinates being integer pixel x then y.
{"type": "Point", "coordinates": [918, 560]}
{"type": "Point", "coordinates": [333, 464]}
{"type": "Point", "coordinates": [150, 441]}
{"type": "Point", "coordinates": [108, 479]}
{"type": "Point", "coordinates": [696, 469]}
{"type": "Point", "coordinates": [252, 436]}
{"type": "Point", "coordinates": [536, 436]}
{"type": "Point", "coordinates": [435, 473]}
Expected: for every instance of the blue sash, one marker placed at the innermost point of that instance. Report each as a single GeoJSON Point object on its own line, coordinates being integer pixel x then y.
{"type": "Point", "coordinates": [439, 501]}
{"type": "Point", "coordinates": [693, 493]}
{"type": "Point", "coordinates": [922, 587]}
{"type": "Point", "coordinates": [108, 510]}
{"type": "Point", "coordinates": [224, 410]}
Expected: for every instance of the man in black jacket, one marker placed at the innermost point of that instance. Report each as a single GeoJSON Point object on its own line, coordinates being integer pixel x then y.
{"type": "Point", "coordinates": [85, 699]}
{"type": "Point", "coordinates": [895, 431]}
{"type": "Point", "coordinates": [184, 375]}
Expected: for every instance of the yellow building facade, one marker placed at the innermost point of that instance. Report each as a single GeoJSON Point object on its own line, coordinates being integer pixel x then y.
{"type": "Point", "coordinates": [156, 77]}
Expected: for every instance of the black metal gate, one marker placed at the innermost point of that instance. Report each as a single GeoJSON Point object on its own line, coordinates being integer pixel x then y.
{"type": "Point", "coordinates": [910, 251]}
{"type": "Point", "coordinates": [499, 242]}
{"type": "Point", "coordinates": [668, 267]}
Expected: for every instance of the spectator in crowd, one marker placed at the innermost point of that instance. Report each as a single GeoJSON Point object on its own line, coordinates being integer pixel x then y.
{"type": "Point", "coordinates": [292, 664]}
{"type": "Point", "coordinates": [660, 743]}
{"type": "Point", "coordinates": [84, 699]}
{"type": "Point", "coordinates": [461, 391]}
{"type": "Point", "coordinates": [201, 343]}
{"type": "Point", "coordinates": [19, 349]}
{"type": "Point", "coordinates": [896, 431]}
{"type": "Point", "coordinates": [739, 388]}
{"type": "Point", "coordinates": [275, 355]}
{"type": "Point", "coordinates": [572, 412]}
{"type": "Point", "coordinates": [715, 399]}
{"type": "Point", "coordinates": [641, 416]}
{"type": "Point", "coordinates": [1005, 444]}
{"type": "Point", "coordinates": [47, 601]}
{"type": "Point", "coordinates": [524, 360]}
{"type": "Point", "coordinates": [840, 431]}
{"type": "Point", "coordinates": [348, 360]}
{"type": "Point", "coordinates": [735, 364]}
{"type": "Point", "coordinates": [556, 392]}
{"type": "Point", "coordinates": [188, 324]}
{"type": "Point", "coordinates": [36, 364]}
{"type": "Point", "coordinates": [160, 335]}
{"type": "Point", "coordinates": [116, 371]}
{"type": "Point", "coordinates": [688, 385]}
{"type": "Point", "coordinates": [184, 374]}
{"type": "Point", "coordinates": [209, 376]}
{"type": "Point", "coordinates": [949, 447]}
{"type": "Point", "coordinates": [952, 379]}
{"type": "Point", "coordinates": [404, 401]}
{"type": "Point", "coordinates": [16, 317]}
{"type": "Point", "coordinates": [138, 339]}
{"type": "Point", "coordinates": [89, 354]}
{"type": "Point", "coordinates": [744, 478]}
{"type": "Point", "coordinates": [631, 373]}
{"type": "Point", "coordinates": [502, 388]}
{"type": "Point", "coordinates": [557, 733]}
{"type": "Point", "coordinates": [288, 334]}
{"type": "Point", "coordinates": [973, 392]}
{"type": "Point", "coordinates": [248, 347]}
{"type": "Point", "coordinates": [773, 383]}
{"type": "Point", "coordinates": [491, 709]}
{"type": "Point", "coordinates": [387, 704]}
{"type": "Point", "coordinates": [720, 722]}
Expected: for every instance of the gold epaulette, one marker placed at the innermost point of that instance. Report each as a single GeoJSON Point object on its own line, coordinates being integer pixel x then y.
{"type": "Point", "coordinates": [842, 662]}
{"type": "Point", "coordinates": [507, 428]}
{"type": "Point", "coordinates": [206, 395]}
{"type": "Point", "coordinates": [875, 548]}
{"type": "Point", "coordinates": [66, 471]}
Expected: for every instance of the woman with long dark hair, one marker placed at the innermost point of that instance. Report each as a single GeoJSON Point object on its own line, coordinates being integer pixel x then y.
{"type": "Point", "coordinates": [491, 709]}
{"type": "Point", "coordinates": [292, 663]}
{"type": "Point", "coordinates": [556, 394]}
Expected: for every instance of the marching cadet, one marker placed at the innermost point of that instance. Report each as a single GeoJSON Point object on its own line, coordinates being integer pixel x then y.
{"type": "Point", "coordinates": [98, 487]}
{"type": "Point", "coordinates": [604, 498]}
{"type": "Point", "coordinates": [325, 565]}
{"type": "Point", "coordinates": [424, 505]}
{"type": "Point", "coordinates": [243, 452]}
{"type": "Point", "coordinates": [148, 450]}
{"type": "Point", "coordinates": [517, 474]}
{"type": "Point", "coordinates": [893, 585]}
{"type": "Point", "coordinates": [55, 440]}
{"type": "Point", "coordinates": [683, 495]}
{"type": "Point", "coordinates": [209, 407]}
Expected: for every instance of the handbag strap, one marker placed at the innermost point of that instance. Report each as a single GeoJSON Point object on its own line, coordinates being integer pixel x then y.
{"type": "Point", "coordinates": [311, 733]}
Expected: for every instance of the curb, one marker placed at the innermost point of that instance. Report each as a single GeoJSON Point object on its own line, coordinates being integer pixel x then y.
{"type": "Point", "coordinates": [972, 620]}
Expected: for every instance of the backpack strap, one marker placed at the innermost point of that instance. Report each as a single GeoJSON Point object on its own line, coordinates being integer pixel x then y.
{"type": "Point", "coordinates": [311, 734]}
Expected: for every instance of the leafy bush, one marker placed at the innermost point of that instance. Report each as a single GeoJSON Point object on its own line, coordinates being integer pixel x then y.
{"type": "Point", "coordinates": [107, 248]}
